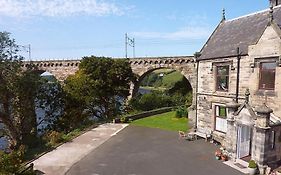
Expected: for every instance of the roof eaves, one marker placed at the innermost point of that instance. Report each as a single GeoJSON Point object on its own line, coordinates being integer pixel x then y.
{"type": "Point", "coordinates": [227, 56]}
{"type": "Point", "coordinates": [206, 43]}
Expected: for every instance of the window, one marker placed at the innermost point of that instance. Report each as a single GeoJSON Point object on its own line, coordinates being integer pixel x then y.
{"type": "Point", "coordinates": [220, 119]}
{"type": "Point", "coordinates": [267, 75]}
{"type": "Point", "coordinates": [272, 139]}
{"type": "Point", "coordinates": [222, 78]}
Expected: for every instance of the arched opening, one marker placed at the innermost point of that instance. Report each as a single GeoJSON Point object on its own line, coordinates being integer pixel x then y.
{"type": "Point", "coordinates": [49, 102]}
{"type": "Point", "coordinates": [162, 87]}
{"type": "Point", "coordinates": [48, 76]}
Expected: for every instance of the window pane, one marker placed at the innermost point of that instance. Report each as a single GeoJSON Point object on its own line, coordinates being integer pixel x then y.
{"type": "Point", "coordinates": [268, 66]}
{"type": "Point", "coordinates": [220, 119]}
{"type": "Point", "coordinates": [221, 125]}
{"type": "Point", "coordinates": [267, 75]}
{"type": "Point", "coordinates": [222, 78]}
{"type": "Point", "coordinates": [222, 112]}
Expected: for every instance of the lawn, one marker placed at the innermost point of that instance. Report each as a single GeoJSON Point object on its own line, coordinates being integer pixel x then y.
{"type": "Point", "coordinates": [165, 121]}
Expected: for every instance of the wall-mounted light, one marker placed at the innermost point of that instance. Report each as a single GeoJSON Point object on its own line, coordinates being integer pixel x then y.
{"type": "Point", "coordinates": [253, 65]}
{"type": "Point", "coordinates": [232, 67]}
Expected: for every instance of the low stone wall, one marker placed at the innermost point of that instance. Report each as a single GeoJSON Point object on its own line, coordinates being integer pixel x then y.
{"type": "Point", "coordinates": [272, 153]}
{"type": "Point", "coordinates": [144, 114]}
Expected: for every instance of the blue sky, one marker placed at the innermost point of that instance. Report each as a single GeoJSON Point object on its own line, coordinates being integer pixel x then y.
{"type": "Point", "coordinates": [71, 29]}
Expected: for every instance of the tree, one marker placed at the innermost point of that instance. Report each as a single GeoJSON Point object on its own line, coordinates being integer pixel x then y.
{"type": "Point", "coordinates": [18, 91]}
{"type": "Point", "coordinates": [100, 85]}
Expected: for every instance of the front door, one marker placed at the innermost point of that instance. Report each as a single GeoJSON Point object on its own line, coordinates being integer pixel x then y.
{"type": "Point", "coordinates": [243, 141]}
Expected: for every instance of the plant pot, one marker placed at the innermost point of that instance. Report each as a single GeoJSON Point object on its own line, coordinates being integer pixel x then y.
{"type": "Point", "coordinates": [252, 171]}
{"type": "Point", "coordinates": [224, 158]}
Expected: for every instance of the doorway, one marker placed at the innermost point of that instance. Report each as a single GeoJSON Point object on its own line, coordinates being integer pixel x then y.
{"type": "Point", "coordinates": [244, 141]}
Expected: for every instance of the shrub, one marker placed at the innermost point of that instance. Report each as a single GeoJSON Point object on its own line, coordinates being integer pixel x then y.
{"type": "Point", "coordinates": [123, 119]}
{"type": "Point", "coordinates": [10, 163]}
{"type": "Point", "coordinates": [252, 164]}
{"type": "Point", "coordinates": [69, 136]}
{"type": "Point", "coordinates": [53, 138]}
{"type": "Point", "coordinates": [181, 112]}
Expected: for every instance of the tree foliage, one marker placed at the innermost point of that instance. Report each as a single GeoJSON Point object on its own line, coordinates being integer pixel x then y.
{"type": "Point", "coordinates": [18, 89]}
{"type": "Point", "coordinates": [99, 86]}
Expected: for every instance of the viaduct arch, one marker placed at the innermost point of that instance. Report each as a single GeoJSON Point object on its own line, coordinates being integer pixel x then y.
{"type": "Point", "coordinates": [186, 65]}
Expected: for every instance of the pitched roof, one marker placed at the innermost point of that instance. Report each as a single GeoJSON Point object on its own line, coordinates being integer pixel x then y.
{"type": "Point", "coordinates": [240, 32]}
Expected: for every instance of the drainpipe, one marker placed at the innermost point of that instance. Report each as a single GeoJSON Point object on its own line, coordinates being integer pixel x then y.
{"type": "Point", "coordinates": [196, 92]}
{"type": "Point", "coordinates": [238, 74]}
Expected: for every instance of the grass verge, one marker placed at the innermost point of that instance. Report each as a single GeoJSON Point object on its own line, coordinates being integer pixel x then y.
{"type": "Point", "coordinates": [166, 121]}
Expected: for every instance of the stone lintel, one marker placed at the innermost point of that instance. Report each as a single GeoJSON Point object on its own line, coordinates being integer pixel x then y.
{"type": "Point", "coordinates": [233, 104]}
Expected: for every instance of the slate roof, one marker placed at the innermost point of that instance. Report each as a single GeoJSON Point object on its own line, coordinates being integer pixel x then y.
{"type": "Point", "coordinates": [240, 32]}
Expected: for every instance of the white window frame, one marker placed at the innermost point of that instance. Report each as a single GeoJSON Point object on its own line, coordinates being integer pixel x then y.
{"type": "Point", "coordinates": [220, 122]}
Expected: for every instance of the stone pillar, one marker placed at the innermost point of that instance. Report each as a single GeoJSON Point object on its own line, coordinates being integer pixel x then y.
{"type": "Point", "coordinates": [231, 134]}
{"type": "Point", "coordinates": [261, 133]}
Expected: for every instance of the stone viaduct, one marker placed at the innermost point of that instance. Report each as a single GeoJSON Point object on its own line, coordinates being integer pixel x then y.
{"type": "Point", "coordinates": [61, 69]}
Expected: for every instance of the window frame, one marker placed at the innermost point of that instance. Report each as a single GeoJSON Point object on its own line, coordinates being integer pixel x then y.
{"type": "Point", "coordinates": [227, 65]}
{"type": "Point", "coordinates": [260, 87]}
{"type": "Point", "coordinates": [217, 115]}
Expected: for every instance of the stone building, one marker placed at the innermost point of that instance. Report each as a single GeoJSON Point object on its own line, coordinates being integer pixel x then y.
{"type": "Point", "coordinates": [239, 85]}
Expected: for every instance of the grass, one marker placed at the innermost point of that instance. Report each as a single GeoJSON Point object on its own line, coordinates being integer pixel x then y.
{"type": "Point", "coordinates": [165, 121]}
{"type": "Point", "coordinates": [170, 79]}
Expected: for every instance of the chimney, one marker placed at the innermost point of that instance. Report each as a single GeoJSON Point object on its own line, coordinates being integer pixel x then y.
{"type": "Point", "coordinates": [274, 3]}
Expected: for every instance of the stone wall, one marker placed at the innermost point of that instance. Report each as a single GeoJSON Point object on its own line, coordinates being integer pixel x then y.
{"type": "Point", "coordinates": [273, 154]}
{"type": "Point", "coordinates": [61, 69]}
{"type": "Point", "coordinates": [208, 96]}
{"type": "Point", "coordinates": [268, 46]}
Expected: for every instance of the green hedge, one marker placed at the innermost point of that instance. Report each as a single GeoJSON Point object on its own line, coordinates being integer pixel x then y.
{"type": "Point", "coordinates": [143, 114]}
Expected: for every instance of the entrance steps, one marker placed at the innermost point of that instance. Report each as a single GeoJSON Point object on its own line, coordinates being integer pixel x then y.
{"type": "Point", "coordinates": [238, 164]}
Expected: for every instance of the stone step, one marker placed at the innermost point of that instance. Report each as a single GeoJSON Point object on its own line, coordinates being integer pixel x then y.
{"type": "Point", "coordinates": [238, 164]}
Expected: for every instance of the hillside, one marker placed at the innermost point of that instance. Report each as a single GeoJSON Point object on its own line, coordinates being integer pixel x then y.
{"type": "Point", "coordinates": [161, 79]}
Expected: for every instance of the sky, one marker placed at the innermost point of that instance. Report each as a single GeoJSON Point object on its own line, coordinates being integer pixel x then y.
{"type": "Point", "coordinates": [72, 29]}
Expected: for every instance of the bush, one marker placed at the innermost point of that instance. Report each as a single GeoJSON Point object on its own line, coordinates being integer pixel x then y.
{"type": "Point", "coordinates": [181, 112]}
{"type": "Point", "coordinates": [252, 164]}
{"type": "Point", "coordinates": [53, 138]}
{"type": "Point", "coordinates": [11, 163]}
{"type": "Point", "coordinates": [155, 100]}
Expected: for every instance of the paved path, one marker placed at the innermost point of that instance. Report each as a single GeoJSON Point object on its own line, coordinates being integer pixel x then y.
{"type": "Point", "coordinates": [145, 151]}
{"type": "Point", "coordinates": [61, 159]}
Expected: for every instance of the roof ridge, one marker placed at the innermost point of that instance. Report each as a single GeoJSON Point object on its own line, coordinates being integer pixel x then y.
{"type": "Point", "coordinates": [252, 14]}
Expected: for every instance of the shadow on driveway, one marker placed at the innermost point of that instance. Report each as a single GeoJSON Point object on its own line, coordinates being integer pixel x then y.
{"type": "Point", "coordinates": [147, 151]}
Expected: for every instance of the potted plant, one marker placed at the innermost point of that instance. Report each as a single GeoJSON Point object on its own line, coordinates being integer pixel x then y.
{"type": "Point", "coordinates": [218, 154]}
{"type": "Point", "coordinates": [224, 157]}
{"type": "Point", "coordinates": [252, 167]}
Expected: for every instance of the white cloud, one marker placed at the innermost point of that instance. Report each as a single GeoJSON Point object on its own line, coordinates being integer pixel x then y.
{"type": "Point", "coordinates": [184, 33]}
{"type": "Point", "coordinates": [58, 8]}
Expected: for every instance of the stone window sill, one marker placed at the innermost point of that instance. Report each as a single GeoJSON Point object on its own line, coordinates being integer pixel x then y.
{"type": "Point", "coordinates": [269, 93]}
